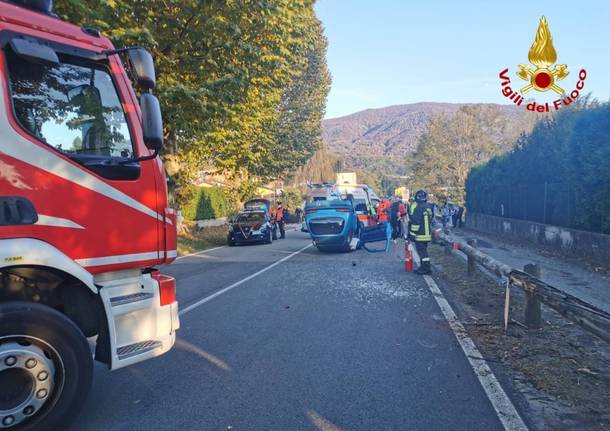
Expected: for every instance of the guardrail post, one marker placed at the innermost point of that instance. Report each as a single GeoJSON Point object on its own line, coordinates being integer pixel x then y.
{"type": "Point", "coordinates": [472, 265]}
{"type": "Point", "coordinates": [533, 311]}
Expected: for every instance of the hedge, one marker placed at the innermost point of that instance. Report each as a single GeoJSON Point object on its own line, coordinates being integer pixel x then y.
{"type": "Point", "coordinates": [559, 174]}
{"type": "Point", "coordinates": [207, 203]}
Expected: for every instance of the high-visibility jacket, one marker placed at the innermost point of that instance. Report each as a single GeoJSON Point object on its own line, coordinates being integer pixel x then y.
{"type": "Point", "coordinates": [279, 214]}
{"type": "Point", "coordinates": [420, 215]}
{"type": "Point", "coordinates": [382, 211]}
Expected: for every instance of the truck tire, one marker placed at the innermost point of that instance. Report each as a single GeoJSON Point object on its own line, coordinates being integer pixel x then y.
{"type": "Point", "coordinates": [46, 368]}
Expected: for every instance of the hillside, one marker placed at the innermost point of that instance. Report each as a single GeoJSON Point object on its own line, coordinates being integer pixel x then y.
{"type": "Point", "coordinates": [380, 140]}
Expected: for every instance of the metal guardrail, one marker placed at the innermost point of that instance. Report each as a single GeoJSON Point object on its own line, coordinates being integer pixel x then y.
{"type": "Point", "coordinates": [587, 316]}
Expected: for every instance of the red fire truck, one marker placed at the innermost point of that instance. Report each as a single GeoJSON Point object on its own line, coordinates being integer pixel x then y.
{"type": "Point", "coordinates": [84, 215]}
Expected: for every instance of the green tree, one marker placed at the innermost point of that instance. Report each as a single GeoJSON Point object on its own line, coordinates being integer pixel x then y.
{"type": "Point", "coordinates": [559, 171]}
{"type": "Point", "coordinates": [242, 83]}
{"type": "Point", "coordinates": [452, 145]}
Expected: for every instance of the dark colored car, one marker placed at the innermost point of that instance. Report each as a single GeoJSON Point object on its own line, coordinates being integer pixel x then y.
{"type": "Point", "coordinates": [250, 226]}
{"type": "Point", "coordinates": [263, 205]}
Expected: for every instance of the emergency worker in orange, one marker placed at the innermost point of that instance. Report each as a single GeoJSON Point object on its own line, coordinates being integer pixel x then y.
{"type": "Point", "coordinates": [279, 219]}
{"type": "Point", "coordinates": [382, 210]}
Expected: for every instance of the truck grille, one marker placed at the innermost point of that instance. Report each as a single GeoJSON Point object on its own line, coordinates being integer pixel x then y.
{"type": "Point", "coordinates": [332, 226]}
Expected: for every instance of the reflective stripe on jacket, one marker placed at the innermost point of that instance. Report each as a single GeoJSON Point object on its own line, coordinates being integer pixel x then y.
{"type": "Point", "coordinates": [420, 218]}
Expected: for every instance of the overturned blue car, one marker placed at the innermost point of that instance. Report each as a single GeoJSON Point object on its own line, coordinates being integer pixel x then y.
{"type": "Point", "coordinates": [334, 226]}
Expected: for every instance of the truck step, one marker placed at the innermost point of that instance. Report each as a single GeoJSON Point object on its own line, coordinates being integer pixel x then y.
{"type": "Point", "coordinates": [128, 299]}
{"type": "Point", "coordinates": [130, 350]}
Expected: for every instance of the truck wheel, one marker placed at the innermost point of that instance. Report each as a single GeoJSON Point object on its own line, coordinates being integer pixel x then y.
{"type": "Point", "coordinates": [46, 368]}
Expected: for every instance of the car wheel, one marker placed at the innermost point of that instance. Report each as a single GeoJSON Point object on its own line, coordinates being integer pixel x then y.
{"type": "Point", "coordinates": [46, 368]}
{"type": "Point", "coordinates": [348, 240]}
{"type": "Point", "coordinates": [269, 238]}
{"type": "Point", "coordinates": [274, 233]}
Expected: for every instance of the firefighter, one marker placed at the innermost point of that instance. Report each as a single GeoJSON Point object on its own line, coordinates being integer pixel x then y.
{"type": "Point", "coordinates": [279, 219]}
{"type": "Point", "coordinates": [420, 224]}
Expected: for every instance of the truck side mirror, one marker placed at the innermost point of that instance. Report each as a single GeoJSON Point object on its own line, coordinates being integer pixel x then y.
{"type": "Point", "coordinates": [143, 67]}
{"type": "Point", "coordinates": [152, 123]}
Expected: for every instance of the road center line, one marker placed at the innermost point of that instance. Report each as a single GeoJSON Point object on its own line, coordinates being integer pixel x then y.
{"type": "Point", "coordinates": [506, 411]}
{"type": "Point", "coordinates": [242, 281]}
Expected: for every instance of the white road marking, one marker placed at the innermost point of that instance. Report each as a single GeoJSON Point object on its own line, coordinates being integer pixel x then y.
{"type": "Point", "coordinates": [242, 281]}
{"type": "Point", "coordinates": [506, 411]}
{"type": "Point", "coordinates": [207, 250]}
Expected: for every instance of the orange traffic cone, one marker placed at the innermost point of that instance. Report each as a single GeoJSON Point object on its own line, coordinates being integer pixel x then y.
{"type": "Point", "coordinates": [408, 257]}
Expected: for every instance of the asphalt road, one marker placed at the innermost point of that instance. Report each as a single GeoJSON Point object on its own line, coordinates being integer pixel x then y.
{"type": "Point", "coordinates": [318, 342]}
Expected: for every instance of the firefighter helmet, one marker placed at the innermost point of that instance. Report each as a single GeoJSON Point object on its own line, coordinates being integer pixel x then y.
{"type": "Point", "coordinates": [421, 196]}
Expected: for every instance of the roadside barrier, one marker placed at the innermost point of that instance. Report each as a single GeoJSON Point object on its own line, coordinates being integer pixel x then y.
{"type": "Point", "coordinates": [587, 316]}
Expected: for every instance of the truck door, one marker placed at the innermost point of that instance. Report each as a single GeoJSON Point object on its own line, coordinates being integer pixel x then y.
{"type": "Point", "coordinates": [67, 131]}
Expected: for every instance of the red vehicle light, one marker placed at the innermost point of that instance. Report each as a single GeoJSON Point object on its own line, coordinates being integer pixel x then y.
{"type": "Point", "coordinates": [342, 210]}
{"type": "Point", "coordinates": [311, 211]}
{"type": "Point", "coordinates": [167, 287]}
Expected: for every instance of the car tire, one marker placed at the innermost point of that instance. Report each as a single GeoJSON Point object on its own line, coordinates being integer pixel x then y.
{"type": "Point", "coordinates": [269, 239]}
{"type": "Point", "coordinates": [63, 367]}
{"type": "Point", "coordinates": [348, 240]}
{"type": "Point", "coordinates": [274, 233]}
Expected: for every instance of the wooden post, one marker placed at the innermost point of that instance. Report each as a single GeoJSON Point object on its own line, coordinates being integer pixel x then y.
{"type": "Point", "coordinates": [448, 244]}
{"type": "Point", "coordinates": [533, 311]}
{"type": "Point", "coordinates": [472, 266]}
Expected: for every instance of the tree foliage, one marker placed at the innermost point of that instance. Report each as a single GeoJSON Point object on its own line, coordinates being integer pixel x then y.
{"type": "Point", "coordinates": [322, 166]}
{"type": "Point", "coordinates": [569, 151]}
{"type": "Point", "coordinates": [206, 203]}
{"type": "Point", "coordinates": [242, 83]}
{"type": "Point", "coordinates": [453, 144]}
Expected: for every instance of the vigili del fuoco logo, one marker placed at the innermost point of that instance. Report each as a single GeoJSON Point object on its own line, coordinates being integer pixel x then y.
{"type": "Point", "coordinates": [542, 75]}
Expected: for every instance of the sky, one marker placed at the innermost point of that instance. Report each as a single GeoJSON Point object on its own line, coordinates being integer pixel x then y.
{"type": "Point", "coordinates": [390, 52]}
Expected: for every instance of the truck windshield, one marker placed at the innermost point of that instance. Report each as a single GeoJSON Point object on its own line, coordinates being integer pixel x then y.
{"type": "Point", "coordinates": [73, 106]}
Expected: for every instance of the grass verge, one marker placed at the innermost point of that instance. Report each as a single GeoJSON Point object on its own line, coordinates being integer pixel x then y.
{"type": "Point", "coordinates": [193, 239]}
{"type": "Point", "coordinates": [561, 370]}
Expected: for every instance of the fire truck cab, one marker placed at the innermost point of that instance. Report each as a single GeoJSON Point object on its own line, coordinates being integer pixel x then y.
{"type": "Point", "coordinates": [84, 215]}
